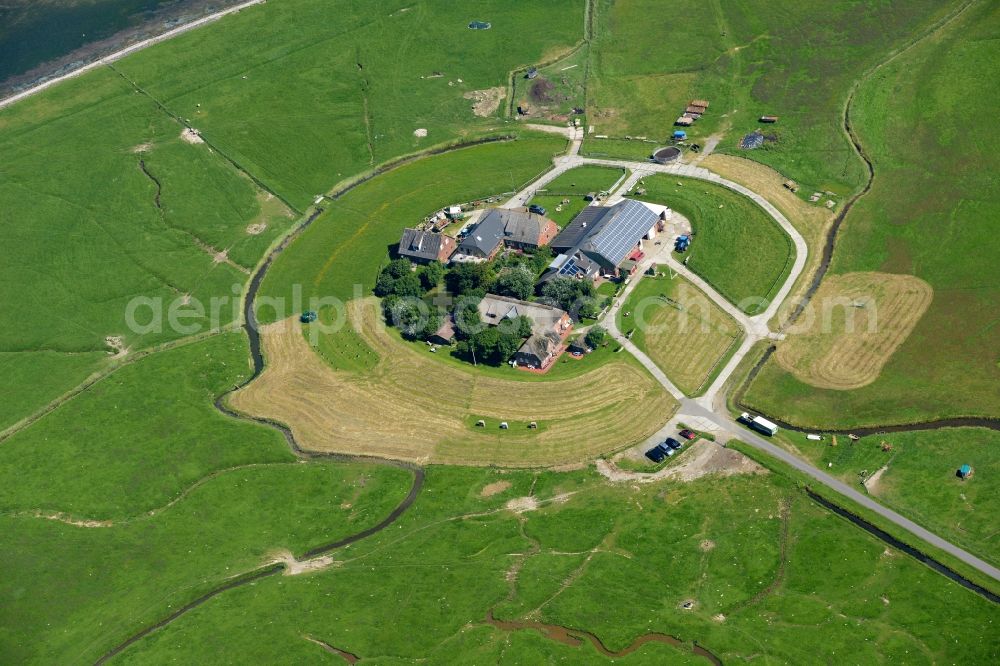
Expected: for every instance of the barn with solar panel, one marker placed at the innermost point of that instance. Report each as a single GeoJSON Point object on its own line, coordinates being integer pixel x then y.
{"type": "Point", "coordinates": [606, 241]}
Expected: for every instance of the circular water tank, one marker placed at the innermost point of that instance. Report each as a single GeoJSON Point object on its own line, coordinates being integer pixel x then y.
{"type": "Point", "coordinates": [667, 155]}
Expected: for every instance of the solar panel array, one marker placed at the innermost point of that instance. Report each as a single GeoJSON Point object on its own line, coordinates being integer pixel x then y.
{"type": "Point", "coordinates": [621, 232]}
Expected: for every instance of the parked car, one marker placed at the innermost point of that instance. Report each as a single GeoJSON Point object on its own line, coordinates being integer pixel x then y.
{"type": "Point", "coordinates": [536, 209]}
{"type": "Point", "coordinates": [656, 454]}
{"type": "Point", "coordinates": [688, 434]}
{"type": "Point", "coordinates": [672, 443]}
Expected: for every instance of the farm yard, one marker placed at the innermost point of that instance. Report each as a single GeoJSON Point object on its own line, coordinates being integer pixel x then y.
{"type": "Point", "coordinates": [348, 243]}
{"type": "Point", "coordinates": [213, 494]}
{"type": "Point", "coordinates": [737, 247]}
{"type": "Point", "coordinates": [684, 332]}
{"type": "Point", "coordinates": [344, 412]}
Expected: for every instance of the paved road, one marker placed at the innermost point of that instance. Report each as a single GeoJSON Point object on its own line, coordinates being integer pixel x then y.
{"type": "Point", "coordinates": [711, 405]}
{"type": "Point", "coordinates": [758, 442]}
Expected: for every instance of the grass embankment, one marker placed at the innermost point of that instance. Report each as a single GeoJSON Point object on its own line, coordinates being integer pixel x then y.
{"type": "Point", "coordinates": [752, 553]}
{"type": "Point", "coordinates": [928, 214]}
{"type": "Point", "coordinates": [647, 65]}
{"type": "Point", "coordinates": [687, 336]}
{"type": "Point", "coordinates": [415, 407]}
{"type": "Point", "coordinates": [918, 479]}
{"type": "Point", "coordinates": [738, 248]}
{"type": "Point", "coordinates": [340, 254]}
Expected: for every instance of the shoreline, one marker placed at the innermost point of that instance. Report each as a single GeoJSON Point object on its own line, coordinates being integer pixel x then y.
{"type": "Point", "coordinates": [125, 51]}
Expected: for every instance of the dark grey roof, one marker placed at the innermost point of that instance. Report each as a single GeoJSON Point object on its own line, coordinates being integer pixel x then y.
{"type": "Point", "coordinates": [485, 236]}
{"type": "Point", "coordinates": [420, 244]}
{"type": "Point", "coordinates": [585, 222]}
{"type": "Point", "coordinates": [620, 231]}
{"type": "Point", "coordinates": [576, 265]}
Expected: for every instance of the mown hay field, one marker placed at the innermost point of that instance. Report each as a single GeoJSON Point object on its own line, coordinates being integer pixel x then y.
{"type": "Point", "coordinates": [413, 407]}
{"type": "Point", "coordinates": [854, 325]}
{"type": "Point", "coordinates": [738, 248]}
{"type": "Point", "coordinates": [682, 330]}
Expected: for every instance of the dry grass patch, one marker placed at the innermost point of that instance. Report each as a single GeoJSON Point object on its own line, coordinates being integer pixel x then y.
{"type": "Point", "coordinates": [687, 343]}
{"type": "Point", "coordinates": [413, 407]}
{"type": "Point", "coordinates": [857, 321]}
{"type": "Point", "coordinates": [486, 102]}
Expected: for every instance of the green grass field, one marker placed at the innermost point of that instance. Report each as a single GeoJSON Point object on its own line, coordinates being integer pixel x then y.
{"type": "Point", "coordinates": [746, 548]}
{"type": "Point", "coordinates": [565, 213]}
{"type": "Point", "coordinates": [136, 439]}
{"type": "Point", "coordinates": [582, 180]}
{"type": "Point", "coordinates": [34, 378]}
{"type": "Point", "coordinates": [72, 608]}
{"type": "Point", "coordinates": [620, 148]}
{"type": "Point", "coordinates": [796, 60]}
{"type": "Point", "coordinates": [340, 254]}
{"type": "Point", "coordinates": [737, 248]}
{"type": "Point", "coordinates": [335, 88]}
{"type": "Point", "coordinates": [930, 218]}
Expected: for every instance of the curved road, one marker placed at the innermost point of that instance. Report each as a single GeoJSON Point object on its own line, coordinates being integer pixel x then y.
{"type": "Point", "coordinates": [711, 405]}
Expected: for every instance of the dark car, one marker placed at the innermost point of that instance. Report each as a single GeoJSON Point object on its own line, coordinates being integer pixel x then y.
{"type": "Point", "coordinates": [656, 454]}
{"type": "Point", "coordinates": [536, 209]}
{"type": "Point", "coordinates": [688, 434]}
{"type": "Point", "coordinates": [672, 443]}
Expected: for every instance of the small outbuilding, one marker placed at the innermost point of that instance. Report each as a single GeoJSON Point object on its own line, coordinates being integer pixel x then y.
{"type": "Point", "coordinates": [769, 119]}
{"type": "Point", "coordinates": [684, 121]}
{"type": "Point", "coordinates": [680, 134]}
{"type": "Point", "coordinates": [965, 471]}
{"type": "Point", "coordinates": [531, 73]}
